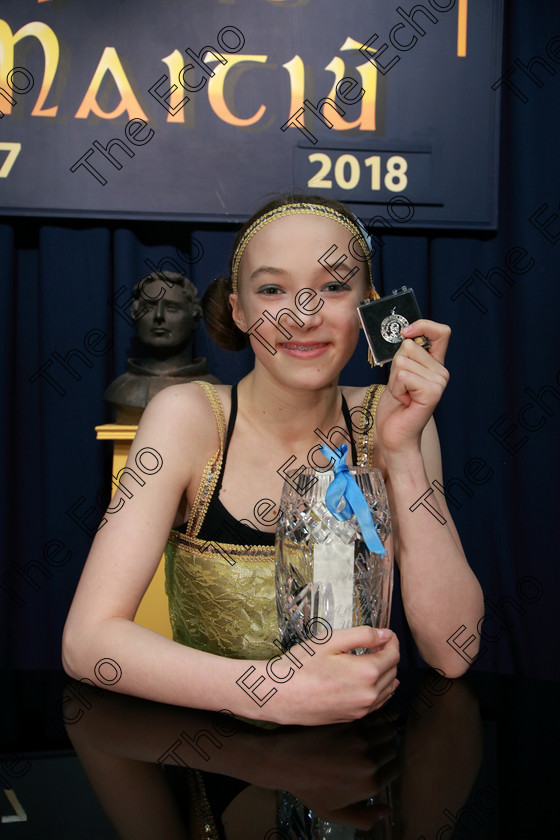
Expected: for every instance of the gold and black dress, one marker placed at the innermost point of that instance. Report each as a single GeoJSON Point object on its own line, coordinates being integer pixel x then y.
{"type": "Point", "coordinates": [219, 572]}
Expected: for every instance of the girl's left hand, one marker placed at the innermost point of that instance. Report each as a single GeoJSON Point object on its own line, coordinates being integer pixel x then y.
{"type": "Point", "coordinates": [417, 380]}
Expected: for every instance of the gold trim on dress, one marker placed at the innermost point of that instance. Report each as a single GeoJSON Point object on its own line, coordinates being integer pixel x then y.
{"type": "Point", "coordinates": [365, 449]}
{"type": "Point", "coordinates": [241, 552]}
{"type": "Point", "coordinates": [212, 469]}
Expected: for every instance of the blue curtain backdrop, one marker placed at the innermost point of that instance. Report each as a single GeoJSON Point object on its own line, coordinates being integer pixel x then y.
{"type": "Point", "coordinates": [498, 420]}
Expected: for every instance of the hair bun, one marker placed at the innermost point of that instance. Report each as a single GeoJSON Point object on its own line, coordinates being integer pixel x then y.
{"type": "Point", "coordinates": [218, 318]}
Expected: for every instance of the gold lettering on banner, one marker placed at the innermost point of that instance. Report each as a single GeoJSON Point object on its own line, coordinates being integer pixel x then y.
{"type": "Point", "coordinates": [222, 85]}
{"type": "Point", "coordinates": [296, 70]}
{"type": "Point", "coordinates": [49, 43]}
{"type": "Point", "coordinates": [366, 121]}
{"type": "Point", "coordinates": [462, 15]}
{"type": "Point", "coordinates": [175, 62]}
{"type": "Point", "coordinates": [216, 94]}
{"type": "Point", "coordinates": [110, 63]}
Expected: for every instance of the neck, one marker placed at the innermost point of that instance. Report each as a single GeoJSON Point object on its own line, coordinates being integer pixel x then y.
{"type": "Point", "coordinates": [164, 363]}
{"type": "Point", "coordinates": [289, 414]}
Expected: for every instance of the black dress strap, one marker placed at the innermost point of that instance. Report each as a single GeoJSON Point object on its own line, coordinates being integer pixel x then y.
{"type": "Point", "coordinates": [231, 425]}
{"type": "Point", "coordinates": [219, 524]}
{"type": "Point", "coordinates": [229, 432]}
{"type": "Point", "coordinates": [233, 416]}
{"type": "Point", "coordinates": [348, 419]}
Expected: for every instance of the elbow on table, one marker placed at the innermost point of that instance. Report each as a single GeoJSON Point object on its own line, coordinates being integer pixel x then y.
{"type": "Point", "coordinates": [76, 650]}
{"type": "Point", "coordinates": [82, 652]}
{"type": "Point", "coordinates": [70, 654]}
{"type": "Point", "coordinates": [452, 665]}
{"type": "Point", "coordinates": [456, 670]}
{"type": "Point", "coordinates": [448, 670]}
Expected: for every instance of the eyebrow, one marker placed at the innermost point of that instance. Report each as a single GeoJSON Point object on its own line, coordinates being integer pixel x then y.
{"type": "Point", "coordinates": [270, 269]}
{"type": "Point", "coordinates": [267, 269]}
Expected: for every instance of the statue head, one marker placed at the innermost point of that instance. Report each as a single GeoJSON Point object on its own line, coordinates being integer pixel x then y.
{"type": "Point", "coordinates": [166, 309]}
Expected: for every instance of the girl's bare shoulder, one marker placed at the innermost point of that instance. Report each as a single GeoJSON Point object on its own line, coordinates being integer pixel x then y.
{"type": "Point", "coordinates": [181, 418]}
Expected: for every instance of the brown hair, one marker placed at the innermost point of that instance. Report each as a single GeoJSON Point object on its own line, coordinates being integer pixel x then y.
{"type": "Point", "coordinates": [216, 307]}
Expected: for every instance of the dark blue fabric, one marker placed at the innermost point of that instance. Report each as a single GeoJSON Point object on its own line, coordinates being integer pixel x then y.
{"type": "Point", "coordinates": [57, 277]}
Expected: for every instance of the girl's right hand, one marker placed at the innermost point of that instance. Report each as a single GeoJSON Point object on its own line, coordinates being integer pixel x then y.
{"type": "Point", "coordinates": [332, 685]}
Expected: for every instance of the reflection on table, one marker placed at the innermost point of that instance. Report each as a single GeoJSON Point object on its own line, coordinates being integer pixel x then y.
{"type": "Point", "coordinates": [446, 758]}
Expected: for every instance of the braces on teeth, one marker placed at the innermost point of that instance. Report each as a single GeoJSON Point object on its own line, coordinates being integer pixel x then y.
{"type": "Point", "coordinates": [297, 347]}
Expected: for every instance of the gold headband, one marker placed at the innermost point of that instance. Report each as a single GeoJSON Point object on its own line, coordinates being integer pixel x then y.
{"type": "Point", "coordinates": [289, 210]}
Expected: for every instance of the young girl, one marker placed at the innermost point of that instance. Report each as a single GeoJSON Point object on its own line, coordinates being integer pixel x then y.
{"type": "Point", "coordinates": [223, 452]}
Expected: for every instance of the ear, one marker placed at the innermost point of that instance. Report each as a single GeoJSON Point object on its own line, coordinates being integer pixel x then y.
{"type": "Point", "coordinates": [237, 312]}
{"type": "Point", "coordinates": [196, 311]}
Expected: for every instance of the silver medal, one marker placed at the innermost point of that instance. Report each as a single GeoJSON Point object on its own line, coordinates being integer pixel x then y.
{"type": "Point", "coordinates": [391, 327]}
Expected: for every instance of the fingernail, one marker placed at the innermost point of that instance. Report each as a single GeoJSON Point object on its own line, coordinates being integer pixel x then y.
{"type": "Point", "coordinates": [384, 634]}
{"type": "Point", "coordinates": [406, 330]}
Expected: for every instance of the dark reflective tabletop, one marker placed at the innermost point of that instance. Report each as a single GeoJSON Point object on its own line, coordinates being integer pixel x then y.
{"type": "Point", "coordinates": [470, 758]}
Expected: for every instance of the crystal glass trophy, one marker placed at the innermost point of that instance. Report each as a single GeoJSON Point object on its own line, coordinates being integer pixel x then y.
{"type": "Point", "coordinates": [334, 564]}
{"type": "Point", "coordinates": [296, 820]}
{"type": "Point", "coordinates": [334, 550]}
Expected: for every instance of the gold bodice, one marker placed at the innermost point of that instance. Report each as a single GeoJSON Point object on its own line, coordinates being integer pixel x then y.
{"type": "Point", "coordinates": [222, 597]}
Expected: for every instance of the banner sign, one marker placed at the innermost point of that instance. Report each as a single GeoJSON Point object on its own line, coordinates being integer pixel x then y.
{"type": "Point", "coordinates": [204, 109]}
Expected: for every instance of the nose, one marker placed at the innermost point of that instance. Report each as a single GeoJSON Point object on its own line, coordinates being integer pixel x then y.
{"type": "Point", "coordinates": [308, 306]}
{"type": "Point", "coordinates": [311, 320]}
{"type": "Point", "coordinates": [159, 314]}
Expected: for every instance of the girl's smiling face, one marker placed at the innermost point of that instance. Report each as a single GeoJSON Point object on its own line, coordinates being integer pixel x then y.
{"type": "Point", "coordinates": [302, 319]}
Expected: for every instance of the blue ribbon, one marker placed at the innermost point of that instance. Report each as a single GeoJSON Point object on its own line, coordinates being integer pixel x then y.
{"type": "Point", "coordinates": [344, 489]}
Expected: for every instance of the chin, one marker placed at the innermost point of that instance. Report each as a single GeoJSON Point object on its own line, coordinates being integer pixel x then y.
{"type": "Point", "coordinates": [159, 340]}
{"type": "Point", "coordinates": [311, 380]}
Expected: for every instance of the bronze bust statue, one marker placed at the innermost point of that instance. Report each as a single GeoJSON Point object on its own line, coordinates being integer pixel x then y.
{"type": "Point", "coordinates": [165, 324]}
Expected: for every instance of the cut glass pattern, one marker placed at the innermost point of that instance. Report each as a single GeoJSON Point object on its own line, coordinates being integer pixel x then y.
{"type": "Point", "coordinates": [323, 567]}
